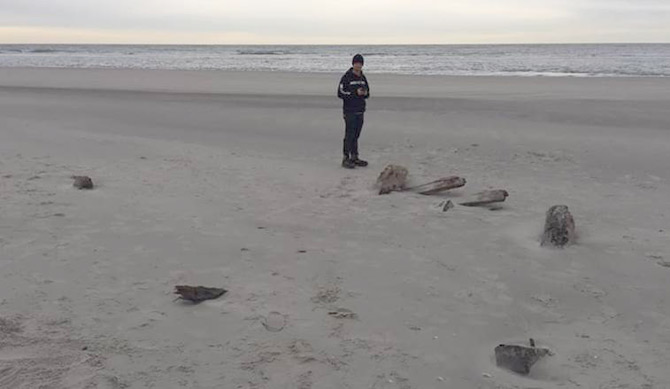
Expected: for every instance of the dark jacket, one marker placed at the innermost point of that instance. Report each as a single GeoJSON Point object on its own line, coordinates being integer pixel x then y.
{"type": "Point", "coordinates": [353, 103]}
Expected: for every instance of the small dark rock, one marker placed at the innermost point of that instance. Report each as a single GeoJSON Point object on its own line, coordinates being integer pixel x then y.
{"type": "Point", "coordinates": [84, 348]}
{"type": "Point", "coordinates": [343, 313]}
{"type": "Point", "coordinates": [244, 249]}
{"type": "Point", "coordinates": [198, 294]}
{"type": "Point", "coordinates": [302, 251]}
{"type": "Point", "coordinates": [82, 182]}
{"type": "Point", "coordinates": [519, 359]}
{"type": "Point", "coordinates": [559, 227]}
{"type": "Point", "coordinates": [447, 206]}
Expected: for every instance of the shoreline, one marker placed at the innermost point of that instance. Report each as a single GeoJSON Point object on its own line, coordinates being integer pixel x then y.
{"type": "Point", "coordinates": [504, 75]}
{"type": "Point", "coordinates": [324, 84]}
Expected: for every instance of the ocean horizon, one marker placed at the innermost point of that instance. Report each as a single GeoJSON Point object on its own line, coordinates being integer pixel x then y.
{"type": "Point", "coordinates": [556, 59]}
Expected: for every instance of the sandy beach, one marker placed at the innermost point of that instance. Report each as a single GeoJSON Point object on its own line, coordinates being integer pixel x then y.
{"type": "Point", "coordinates": [232, 180]}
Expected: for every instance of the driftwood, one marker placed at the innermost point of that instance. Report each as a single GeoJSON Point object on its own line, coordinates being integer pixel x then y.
{"type": "Point", "coordinates": [519, 359]}
{"type": "Point", "coordinates": [487, 197]}
{"type": "Point", "coordinates": [82, 182]}
{"type": "Point", "coordinates": [393, 178]}
{"type": "Point", "coordinates": [441, 185]}
{"type": "Point", "coordinates": [559, 227]}
{"type": "Point", "coordinates": [198, 294]}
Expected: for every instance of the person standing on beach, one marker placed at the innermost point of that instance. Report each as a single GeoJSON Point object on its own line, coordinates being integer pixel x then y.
{"type": "Point", "coordinates": [353, 90]}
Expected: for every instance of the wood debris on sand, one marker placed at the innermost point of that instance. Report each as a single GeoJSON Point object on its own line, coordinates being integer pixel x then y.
{"type": "Point", "coordinates": [486, 197]}
{"type": "Point", "coordinates": [198, 294]}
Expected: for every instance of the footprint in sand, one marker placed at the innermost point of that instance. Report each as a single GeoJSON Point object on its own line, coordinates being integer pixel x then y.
{"type": "Point", "coordinates": [30, 360]}
{"type": "Point", "coordinates": [589, 289]}
{"type": "Point", "coordinates": [341, 190]}
{"type": "Point", "coordinates": [393, 380]}
{"type": "Point", "coordinates": [327, 295]}
{"type": "Point", "coordinates": [305, 381]}
{"type": "Point", "coordinates": [111, 382]}
{"type": "Point", "coordinates": [274, 322]}
{"type": "Point", "coordinates": [302, 351]}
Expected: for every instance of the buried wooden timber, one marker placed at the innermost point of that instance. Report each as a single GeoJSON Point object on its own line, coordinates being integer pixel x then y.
{"type": "Point", "coordinates": [486, 197]}
{"type": "Point", "coordinates": [440, 185]}
{"type": "Point", "coordinates": [519, 359]}
{"type": "Point", "coordinates": [392, 178]}
{"type": "Point", "coordinates": [198, 294]}
{"type": "Point", "coordinates": [559, 227]}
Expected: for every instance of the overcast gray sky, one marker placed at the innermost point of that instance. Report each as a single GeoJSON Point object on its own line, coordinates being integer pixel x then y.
{"type": "Point", "coordinates": [333, 22]}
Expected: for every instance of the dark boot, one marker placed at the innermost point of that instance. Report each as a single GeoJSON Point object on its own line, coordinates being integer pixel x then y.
{"type": "Point", "coordinates": [359, 162]}
{"type": "Point", "coordinates": [348, 163]}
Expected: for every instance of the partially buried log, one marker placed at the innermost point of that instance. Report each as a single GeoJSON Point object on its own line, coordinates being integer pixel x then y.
{"type": "Point", "coordinates": [393, 178]}
{"type": "Point", "coordinates": [559, 227]}
{"type": "Point", "coordinates": [82, 182]}
{"type": "Point", "coordinates": [198, 294]}
{"type": "Point", "coordinates": [441, 185]}
{"type": "Point", "coordinates": [519, 359]}
{"type": "Point", "coordinates": [487, 197]}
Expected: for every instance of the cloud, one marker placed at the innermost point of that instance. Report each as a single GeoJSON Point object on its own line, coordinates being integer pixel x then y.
{"type": "Point", "coordinates": [343, 21]}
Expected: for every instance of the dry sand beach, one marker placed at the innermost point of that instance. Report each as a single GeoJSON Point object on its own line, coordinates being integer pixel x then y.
{"type": "Point", "coordinates": [232, 180]}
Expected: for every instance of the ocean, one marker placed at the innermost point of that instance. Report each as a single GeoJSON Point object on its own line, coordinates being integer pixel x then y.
{"type": "Point", "coordinates": [579, 60]}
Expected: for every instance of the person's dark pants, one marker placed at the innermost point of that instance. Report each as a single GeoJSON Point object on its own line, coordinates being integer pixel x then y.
{"type": "Point", "coordinates": [353, 126]}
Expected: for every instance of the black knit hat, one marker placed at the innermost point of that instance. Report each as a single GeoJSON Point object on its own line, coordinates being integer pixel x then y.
{"type": "Point", "coordinates": [357, 58]}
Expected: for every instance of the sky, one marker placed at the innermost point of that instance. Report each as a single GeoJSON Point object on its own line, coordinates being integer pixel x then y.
{"type": "Point", "coordinates": [333, 22]}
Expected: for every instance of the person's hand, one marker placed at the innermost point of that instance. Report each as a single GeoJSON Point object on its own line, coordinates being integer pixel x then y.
{"type": "Point", "coordinates": [361, 91]}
